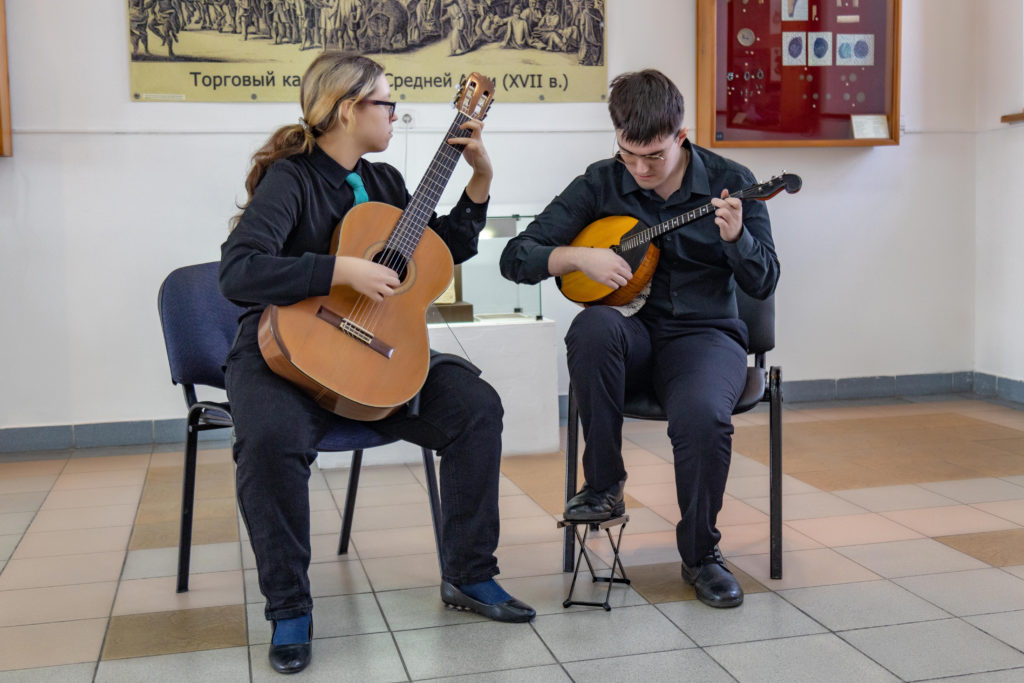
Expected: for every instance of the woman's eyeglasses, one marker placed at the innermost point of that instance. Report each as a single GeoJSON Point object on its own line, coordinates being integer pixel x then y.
{"type": "Point", "coordinates": [384, 103]}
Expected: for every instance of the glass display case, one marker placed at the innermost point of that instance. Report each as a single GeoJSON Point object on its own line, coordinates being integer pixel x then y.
{"type": "Point", "coordinates": [479, 292]}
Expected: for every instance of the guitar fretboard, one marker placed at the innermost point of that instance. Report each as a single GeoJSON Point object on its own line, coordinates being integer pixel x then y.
{"type": "Point", "coordinates": [407, 234]}
{"type": "Point", "coordinates": [647, 234]}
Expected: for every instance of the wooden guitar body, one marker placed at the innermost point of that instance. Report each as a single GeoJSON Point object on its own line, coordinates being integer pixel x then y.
{"type": "Point", "coordinates": [608, 233]}
{"type": "Point", "coordinates": [355, 357]}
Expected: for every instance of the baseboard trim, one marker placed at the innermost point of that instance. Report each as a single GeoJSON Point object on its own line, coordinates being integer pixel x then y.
{"type": "Point", "coordinates": [141, 432]}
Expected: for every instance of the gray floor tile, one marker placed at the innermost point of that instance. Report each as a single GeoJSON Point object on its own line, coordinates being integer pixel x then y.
{"type": "Point", "coordinates": [910, 558]}
{"type": "Point", "coordinates": [1005, 676]}
{"type": "Point", "coordinates": [353, 659]}
{"type": "Point", "coordinates": [546, 593]}
{"type": "Point", "coordinates": [863, 605]}
{"type": "Point", "coordinates": [15, 522]}
{"type": "Point", "coordinates": [537, 674]}
{"type": "Point", "coordinates": [420, 608]}
{"type": "Point", "coordinates": [339, 615]}
{"type": "Point", "coordinates": [325, 578]}
{"type": "Point", "coordinates": [761, 616]}
{"type": "Point", "coordinates": [69, 673]}
{"type": "Point", "coordinates": [980, 591]}
{"type": "Point", "coordinates": [676, 665]}
{"type": "Point", "coordinates": [8, 542]}
{"type": "Point", "coordinates": [231, 664]}
{"type": "Point", "coordinates": [932, 649]}
{"type": "Point", "coordinates": [809, 659]}
{"type": "Point", "coordinates": [1007, 627]}
{"type": "Point", "coordinates": [29, 501]}
{"type": "Point", "coordinates": [470, 648]}
{"type": "Point", "coordinates": [598, 634]}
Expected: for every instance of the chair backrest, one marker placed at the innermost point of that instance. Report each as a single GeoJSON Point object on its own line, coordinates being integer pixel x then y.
{"type": "Point", "coordinates": [199, 324]}
{"type": "Point", "coordinates": [760, 319]}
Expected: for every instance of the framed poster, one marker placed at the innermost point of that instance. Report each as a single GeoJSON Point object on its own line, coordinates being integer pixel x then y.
{"type": "Point", "coordinates": [257, 50]}
{"type": "Point", "coordinates": [5, 88]}
{"type": "Point", "coordinates": [798, 73]}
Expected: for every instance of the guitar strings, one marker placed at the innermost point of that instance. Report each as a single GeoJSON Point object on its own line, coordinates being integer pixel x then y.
{"type": "Point", "coordinates": [647, 234]}
{"type": "Point", "coordinates": [411, 225]}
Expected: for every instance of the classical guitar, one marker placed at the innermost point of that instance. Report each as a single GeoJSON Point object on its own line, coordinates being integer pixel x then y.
{"type": "Point", "coordinates": [631, 239]}
{"type": "Point", "coordinates": [359, 358]}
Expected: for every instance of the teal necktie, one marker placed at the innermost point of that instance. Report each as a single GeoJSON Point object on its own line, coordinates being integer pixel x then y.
{"type": "Point", "coordinates": [358, 191]}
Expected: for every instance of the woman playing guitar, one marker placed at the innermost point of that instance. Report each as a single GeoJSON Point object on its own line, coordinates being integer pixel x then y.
{"type": "Point", "coordinates": [280, 253]}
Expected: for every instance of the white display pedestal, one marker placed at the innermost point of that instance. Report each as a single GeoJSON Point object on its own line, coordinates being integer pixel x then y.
{"type": "Point", "coordinates": [517, 357]}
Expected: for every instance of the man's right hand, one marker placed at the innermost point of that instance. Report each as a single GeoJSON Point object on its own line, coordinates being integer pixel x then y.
{"type": "Point", "coordinates": [603, 266]}
{"type": "Point", "coordinates": [370, 279]}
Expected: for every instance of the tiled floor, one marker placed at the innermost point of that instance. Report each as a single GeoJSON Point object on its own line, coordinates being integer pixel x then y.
{"type": "Point", "coordinates": [904, 560]}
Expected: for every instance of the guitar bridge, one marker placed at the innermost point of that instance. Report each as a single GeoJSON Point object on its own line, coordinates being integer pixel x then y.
{"type": "Point", "coordinates": [356, 331]}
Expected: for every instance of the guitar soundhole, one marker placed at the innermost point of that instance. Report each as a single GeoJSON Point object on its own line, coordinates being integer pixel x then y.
{"type": "Point", "coordinates": [394, 260]}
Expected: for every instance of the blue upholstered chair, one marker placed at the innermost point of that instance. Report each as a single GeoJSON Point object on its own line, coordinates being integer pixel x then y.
{"type": "Point", "coordinates": [199, 327]}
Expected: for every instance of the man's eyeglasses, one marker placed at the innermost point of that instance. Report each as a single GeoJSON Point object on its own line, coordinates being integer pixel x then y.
{"type": "Point", "coordinates": [626, 157]}
{"type": "Point", "coordinates": [384, 103]}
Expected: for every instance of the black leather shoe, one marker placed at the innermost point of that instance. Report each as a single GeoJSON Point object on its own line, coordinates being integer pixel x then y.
{"type": "Point", "coordinates": [511, 610]}
{"type": "Point", "coordinates": [713, 582]}
{"type": "Point", "coordinates": [291, 658]}
{"type": "Point", "coordinates": [596, 506]}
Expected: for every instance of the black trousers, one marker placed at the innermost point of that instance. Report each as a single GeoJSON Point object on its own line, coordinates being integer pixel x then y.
{"type": "Point", "coordinates": [698, 371]}
{"type": "Point", "coordinates": [277, 428]}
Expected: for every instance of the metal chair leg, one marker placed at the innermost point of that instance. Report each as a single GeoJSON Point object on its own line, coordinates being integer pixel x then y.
{"type": "Point", "coordinates": [435, 498]}
{"type": "Point", "coordinates": [775, 472]}
{"type": "Point", "coordinates": [572, 433]}
{"type": "Point", "coordinates": [350, 501]}
{"type": "Point", "coordinates": [188, 495]}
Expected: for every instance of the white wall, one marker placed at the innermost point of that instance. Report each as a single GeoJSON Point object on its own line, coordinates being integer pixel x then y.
{"type": "Point", "coordinates": [999, 221]}
{"type": "Point", "coordinates": [105, 196]}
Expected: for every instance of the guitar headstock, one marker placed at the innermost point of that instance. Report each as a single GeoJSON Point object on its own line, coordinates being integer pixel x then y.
{"type": "Point", "coordinates": [790, 182]}
{"type": "Point", "coordinates": [476, 92]}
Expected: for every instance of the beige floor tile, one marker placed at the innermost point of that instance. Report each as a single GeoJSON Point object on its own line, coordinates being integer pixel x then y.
{"type": "Point", "coordinates": [205, 530]}
{"type": "Point", "coordinates": [757, 486]}
{"type": "Point", "coordinates": [21, 502]}
{"type": "Point", "coordinates": [154, 511]}
{"type": "Point", "coordinates": [651, 474]}
{"type": "Point", "coordinates": [853, 529]}
{"type": "Point", "coordinates": [737, 512]}
{"type": "Point", "coordinates": [653, 494]}
{"type": "Point", "coordinates": [663, 582]}
{"type": "Point", "coordinates": [742, 466]}
{"type": "Point", "coordinates": [997, 548]}
{"type": "Point", "coordinates": [977, 490]}
{"type": "Point", "coordinates": [82, 498]}
{"type": "Point", "coordinates": [754, 539]}
{"type": "Point", "coordinates": [910, 558]}
{"type": "Point", "coordinates": [31, 468]}
{"type": "Point", "coordinates": [1012, 510]}
{"type": "Point", "coordinates": [391, 517]}
{"type": "Point", "coordinates": [107, 463]}
{"type": "Point", "coordinates": [394, 542]}
{"type": "Point", "coordinates": [400, 494]}
{"type": "Point", "coordinates": [74, 542]}
{"type": "Point", "coordinates": [322, 500]}
{"type": "Point", "coordinates": [946, 521]}
{"type": "Point", "coordinates": [899, 497]}
{"type": "Point", "coordinates": [43, 482]}
{"type": "Point", "coordinates": [646, 521]}
{"type": "Point", "coordinates": [27, 647]}
{"type": "Point", "coordinates": [641, 457]}
{"type": "Point", "coordinates": [161, 633]}
{"type": "Point", "coordinates": [527, 530]}
{"type": "Point", "coordinates": [325, 521]}
{"type": "Point", "coordinates": [83, 518]}
{"type": "Point", "coordinates": [139, 596]}
{"type": "Point", "coordinates": [57, 603]}
{"type": "Point", "coordinates": [536, 560]}
{"type": "Point", "coordinates": [804, 568]}
{"type": "Point", "coordinates": [95, 480]}
{"type": "Point", "coordinates": [808, 506]}
{"type": "Point", "coordinates": [66, 570]}
{"type": "Point", "coordinates": [512, 507]}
